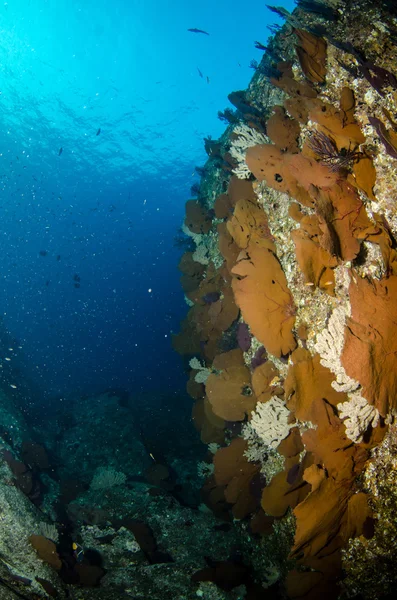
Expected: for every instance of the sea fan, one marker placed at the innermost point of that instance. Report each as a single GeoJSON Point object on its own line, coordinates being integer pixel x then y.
{"type": "Point", "coordinates": [327, 151]}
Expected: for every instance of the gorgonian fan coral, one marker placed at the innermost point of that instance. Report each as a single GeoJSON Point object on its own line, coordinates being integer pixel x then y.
{"type": "Point", "coordinates": [327, 151]}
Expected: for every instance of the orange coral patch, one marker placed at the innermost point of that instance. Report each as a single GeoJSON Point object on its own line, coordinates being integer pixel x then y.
{"type": "Point", "coordinates": [370, 351]}
{"type": "Point", "coordinates": [262, 377]}
{"type": "Point", "coordinates": [343, 220]}
{"type": "Point", "coordinates": [330, 446]}
{"type": "Point", "coordinates": [240, 189]}
{"type": "Point", "coordinates": [312, 55]}
{"type": "Point", "coordinates": [358, 514]}
{"type": "Point", "coordinates": [269, 164]}
{"type": "Point", "coordinates": [298, 107]}
{"type": "Point", "coordinates": [307, 383]}
{"type": "Point", "coordinates": [294, 211]}
{"type": "Point", "coordinates": [332, 122]}
{"type": "Point", "coordinates": [289, 85]}
{"type": "Point", "coordinates": [283, 131]}
{"type": "Point", "coordinates": [224, 312]}
{"type": "Point", "coordinates": [318, 517]}
{"type": "Point", "coordinates": [364, 176]}
{"type": "Point", "coordinates": [315, 263]}
{"type": "Point", "coordinates": [234, 358]}
{"type": "Point", "coordinates": [280, 495]}
{"type": "Point", "coordinates": [213, 282]}
{"type": "Point", "coordinates": [249, 225]}
{"type": "Point", "coordinates": [309, 172]}
{"type": "Point", "coordinates": [294, 174]}
{"type": "Point", "coordinates": [292, 444]}
{"type": "Point", "coordinates": [227, 246]}
{"type": "Point", "coordinates": [314, 475]}
{"type": "Point", "coordinates": [229, 391]}
{"type": "Point", "coordinates": [347, 105]}
{"type": "Point", "coordinates": [261, 292]}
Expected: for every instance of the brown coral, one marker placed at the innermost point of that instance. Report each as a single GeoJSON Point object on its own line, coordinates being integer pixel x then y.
{"type": "Point", "coordinates": [293, 174]}
{"type": "Point", "coordinates": [288, 83]}
{"type": "Point", "coordinates": [332, 121]}
{"type": "Point", "coordinates": [315, 262]}
{"type": "Point", "coordinates": [370, 351]}
{"type": "Point", "coordinates": [283, 131]}
{"type": "Point", "coordinates": [233, 470]}
{"type": "Point", "coordinates": [263, 379]}
{"type": "Point", "coordinates": [227, 246]}
{"type": "Point", "coordinates": [229, 387]}
{"type": "Point", "coordinates": [47, 550]}
{"type": "Point", "coordinates": [249, 225]}
{"type": "Point", "coordinates": [268, 164]}
{"type": "Point", "coordinates": [261, 292]}
{"type": "Point", "coordinates": [192, 272]}
{"type": "Point", "coordinates": [238, 189]}
{"type": "Point", "coordinates": [197, 218]}
{"type": "Point", "coordinates": [364, 176]}
{"type": "Point", "coordinates": [308, 383]}
{"type": "Point", "coordinates": [342, 219]}
{"type": "Point", "coordinates": [284, 492]}
{"type": "Point", "coordinates": [312, 55]}
{"type": "Point", "coordinates": [223, 207]}
{"type": "Point", "coordinates": [210, 426]}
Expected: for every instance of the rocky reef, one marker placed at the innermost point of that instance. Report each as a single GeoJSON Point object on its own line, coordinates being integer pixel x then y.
{"type": "Point", "coordinates": [91, 508]}
{"type": "Point", "coordinates": [290, 342]}
{"type": "Point", "coordinates": [292, 288]}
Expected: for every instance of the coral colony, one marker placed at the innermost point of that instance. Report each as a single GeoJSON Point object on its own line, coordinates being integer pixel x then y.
{"type": "Point", "coordinates": [302, 192]}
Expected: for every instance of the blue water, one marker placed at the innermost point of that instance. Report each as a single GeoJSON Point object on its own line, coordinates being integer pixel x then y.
{"type": "Point", "coordinates": [89, 289]}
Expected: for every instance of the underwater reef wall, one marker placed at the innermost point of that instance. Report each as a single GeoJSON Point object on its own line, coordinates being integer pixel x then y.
{"type": "Point", "coordinates": [291, 334]}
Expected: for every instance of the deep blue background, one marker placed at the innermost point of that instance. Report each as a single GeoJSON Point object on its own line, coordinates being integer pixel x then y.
{"type": "Point", "coordinates": [108, 207]}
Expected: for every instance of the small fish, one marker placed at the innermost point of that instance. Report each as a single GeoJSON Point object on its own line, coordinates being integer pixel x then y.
{"type": "Point", "coordinates": [200, 73]}
{"type": "Point", "coordinates": [195, 30]}
{"type": "Point", "coordinates": [99, 131]}
{"type": "Point", "coordinates": [14, 387]}
{"type": "Point", "coordinates": [208, 79]}
{"type": "Point", "coordinates": [60, 151]}
{"type": "Point", "coordinates": [78, 552]}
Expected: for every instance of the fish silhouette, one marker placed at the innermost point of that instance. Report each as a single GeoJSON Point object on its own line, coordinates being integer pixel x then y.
{"type": "Point", "coordinates": [195, 30]}
{"type": "Point", "coordinates": [60, 151]}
